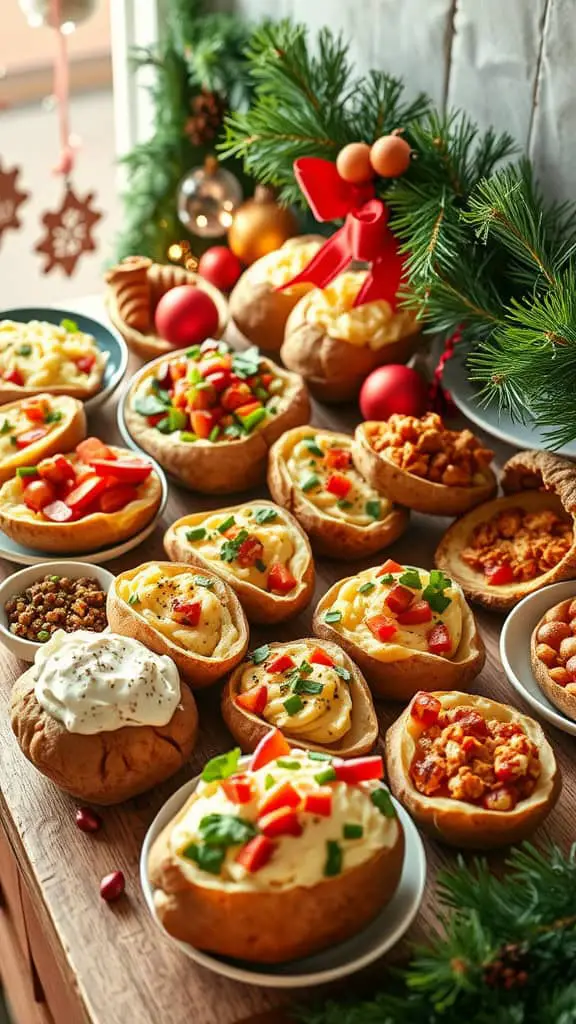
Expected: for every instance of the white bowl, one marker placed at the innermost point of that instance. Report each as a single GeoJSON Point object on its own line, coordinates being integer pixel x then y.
{"type": "Point", "coordinates": [515, 650]}
{"type": "Point", "coordinates": [19, 581]}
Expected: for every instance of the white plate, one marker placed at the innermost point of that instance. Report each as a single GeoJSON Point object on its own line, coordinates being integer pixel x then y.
{"type": "Point", "coordinates": [331, 964]}
{"type": "Point", "coordinates": [30, 556]}
{"type": "Point", "coordinates": [515, 650]}
{"type": "Point", "coordinates": [490, 418]}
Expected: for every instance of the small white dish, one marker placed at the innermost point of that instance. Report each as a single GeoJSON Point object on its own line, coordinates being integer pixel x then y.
{"type": "Point", "coordinates": [515, 650]}
{"type": "Point", "coordinates": [19, 581]}
{"type": "Point", "coordinates": [330, 964]}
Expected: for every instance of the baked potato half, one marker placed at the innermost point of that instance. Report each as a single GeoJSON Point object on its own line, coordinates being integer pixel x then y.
{"type": "Point", "coordinates": [38, 357]}
{"type": "Point", "coordinates": [209, 415]}
{"type": "Point", "coordinates": [323, 858]}
{"type": "Point", "coordinates": [499, 783]}
{"type": "Point", "coordinates": [313, 693]}
{"type": "Point", "coordinates": [311, 473]}
{"type": "Point", "coordinates": [553, 656]}
{"type": "Point", "coordinates": [258, 548]}
{"type": "Point", "coordinates": [408, 629]}
{"type": "Point", "coordinates": [506, 548]}
{"type": "Point", "coordinates": [335, 345]}
{"type": "Point", "coordinates": [422, 465]}
{"type": "Point", "coordinates": [33, 428]}
{"type": "Point", "coordinates": [195, 619]}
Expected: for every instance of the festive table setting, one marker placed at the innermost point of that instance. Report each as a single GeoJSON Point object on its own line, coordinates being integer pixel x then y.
{"type": "Point", "coordinates": [289, 643]}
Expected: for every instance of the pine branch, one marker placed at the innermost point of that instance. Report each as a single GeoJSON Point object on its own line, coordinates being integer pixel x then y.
{"type": "Point", "coordinates": [379, 108]}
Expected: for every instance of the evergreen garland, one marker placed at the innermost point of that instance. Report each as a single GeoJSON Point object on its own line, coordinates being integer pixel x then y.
{"type": "Point", "coordinates": [485, 253]}
{"type": "Point", "coordinates": [505, 955]}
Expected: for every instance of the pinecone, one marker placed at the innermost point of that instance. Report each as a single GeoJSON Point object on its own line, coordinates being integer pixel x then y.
{"type": "Point", "coordinates": [508, 969]}
{"type": "Point", "coordinates": [208, 109]}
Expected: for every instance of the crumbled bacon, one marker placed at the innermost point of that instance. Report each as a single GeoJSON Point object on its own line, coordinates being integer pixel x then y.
{"type": "Point", "coordinates": [425, 448]}
{"type": "Point", "coordinates": [530, 543]}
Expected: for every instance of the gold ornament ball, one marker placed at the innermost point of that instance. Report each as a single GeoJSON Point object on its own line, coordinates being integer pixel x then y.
{"type": "Point", "coordinates": [390, 156]}
{"type": "Point", "coordinates": [353, 163]}
{"type": "Point", "coordinates": [207, 198]}
{"type": "Point", "coordinates": [260, 226]}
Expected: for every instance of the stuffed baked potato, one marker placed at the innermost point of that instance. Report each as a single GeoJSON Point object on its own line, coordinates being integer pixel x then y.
{"type": "Point", "coordinates": [37, 357]}
{"type": "Point", "coordinates": [31, 429]}
{"type": "Point", "coordinates": [553, 656]}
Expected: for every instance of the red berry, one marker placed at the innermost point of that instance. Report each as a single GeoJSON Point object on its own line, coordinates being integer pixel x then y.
{"type": "Point", "coordinates": [112, 886]}
{"type": "Point", "coordinates": [87, 820]}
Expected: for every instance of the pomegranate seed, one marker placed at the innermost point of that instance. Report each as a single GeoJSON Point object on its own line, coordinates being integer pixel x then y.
{"type": "Point", "coordinates": [112, 886]}
{"type": "Point", "coordinates": [87, 820]}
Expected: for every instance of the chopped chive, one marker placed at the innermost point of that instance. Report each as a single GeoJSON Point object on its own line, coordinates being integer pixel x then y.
{"type": "Point", "coordinates": [133, 599]}
{"type": "Point", "coordinates": [260, 565]}
{"type": "Point", "coordinates": [226, 524]}
{"type": "Point", "coordinates": [310, 483]}
{"type": "Point", "coordinates": [54, 416]}
{"type": "Point", "coordinates": [333, 864]}
{"type": "Point", "coordinates": [381, 799]}
{"type": "Point", "coordinates": [411, 578]}
{"type": "Point", "coordinates": [387, 578]}
{"type": "Point", "coordinates": [193, 352]}
{"type": "Point", "coordinates": [367, 587]}
{"type": "Point", "coordinates": [313, 447]}
{"type": "Point", "coordinates": [26, 471]}
{"type": "Point", "coordinates": [316, 755]}
{"type": "Point", "coordinates": [333, 616]}
{"type": "Point", "coordinates": [328, 775]}
{"type": "Point", "coordinates": [265, 515]}
{"type": "Point", "coordinates": [343, 504]}
{"type": "Point", "coordinates": [188, 437]}
{"type": "Point", "coordinates": [198, 533]}
{"type": "Point", "coordinates": [352, 831]}
{"type": "Point", "coordinates": [269, 781]}
{"type": "Point", "coordinates": [293, 704]}
{"type": "Point", "coordinates": [289, 765]}
{"type": "Point", "coordinates": [373, 508]}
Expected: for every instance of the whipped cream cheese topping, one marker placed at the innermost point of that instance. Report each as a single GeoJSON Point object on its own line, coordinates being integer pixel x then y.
{"type": "Point", "coordinates": [100, 682]}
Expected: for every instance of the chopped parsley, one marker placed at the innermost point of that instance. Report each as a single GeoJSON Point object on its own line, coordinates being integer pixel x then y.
{"type": "Point", "coordinates": [265, 515]}
{"type": "Point", "coordinates": [333, 863]}
{"type": "Point", "coordinates": [434, 592]}
{"type": "Point", "coordinates": [411, 578]}
{"type": "Point", "coordinates": [208, 858]}
{"type": "Point", "coordinates": [53, 416]}
{"type": "Point", "coordinates": [305, 668]}
{"type": "Point", "coordinates": [193, 352]}
{"type": "Point", "coordinates": [269, 781]}
{"type": "Point", "coordinates": [367, 587]}
{"type": "Point", "coordinates": [343, 673]}
{"type": "Point", "coordinates": [225, 830]}
{"type": "Point", "coordinates": [312, 482]}
{"type": "Point", "coordinates": [246, 364]}
{"type": "Point", "coordinates": [230, 548]}
{"type": "Point", "coordinates": [226, 524]}
{"type": "Point", "coordinates": [198, 533]}
{"type": "Point", "coordinates": [203, 581]}
{"type": "Point", "coordinates": [151, 405]}
{"type": "Point", "coordinates": [259, 654]}
{"type": "Point", "coordinates": [6, 427]}
{"type": "Point", "coordinates": [222, 766]}
{"type": "Point", "coordinates": [292, 706]}
{"type": "Point", "coordinates": [373, 508]}
{"type": "Point", "coordinates": [333, 616]}
{"type": "Point", "coordinates": [306, 686]}
{"type": "Point", "coordinates": [387, 578]}
{"type": "Point", "coordinates": [69, 325]}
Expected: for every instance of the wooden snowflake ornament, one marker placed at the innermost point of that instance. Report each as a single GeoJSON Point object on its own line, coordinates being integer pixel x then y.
{"type": "Point", "coordinates": [11, 198]}
{"type": "Point", "coordinates": [68, 232]}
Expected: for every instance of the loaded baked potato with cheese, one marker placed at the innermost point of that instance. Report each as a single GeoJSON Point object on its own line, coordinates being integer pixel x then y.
{"type": "Point", "coordinates": [36, 357]}
{"type": "Point", "coordinates": [33, 428]}
{"type": "Point", "coordinates": [408, 629]}
{"type": "Point", "coordinates": [277, 838]}
{"type": "Point", "coordinates": [310, 472]}
{"type": "Point", "coordinates": [258, 548]}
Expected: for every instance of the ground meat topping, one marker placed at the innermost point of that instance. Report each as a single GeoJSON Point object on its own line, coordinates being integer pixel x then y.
{"type": "Point", "coordinates": [515, 545]}
{"type": "Point", "coordinates": [424, 447]}
{"type": "Point", "coordinates": [57, 602]}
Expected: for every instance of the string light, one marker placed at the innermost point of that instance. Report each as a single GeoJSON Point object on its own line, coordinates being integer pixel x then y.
{"type": "Point", "coordinates": [175, 253]}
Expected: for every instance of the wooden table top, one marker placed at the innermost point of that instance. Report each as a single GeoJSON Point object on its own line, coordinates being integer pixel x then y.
{"type": "Point", "coordinates": [114, 954]}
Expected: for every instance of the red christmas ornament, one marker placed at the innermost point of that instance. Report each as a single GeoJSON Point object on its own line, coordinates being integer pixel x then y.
{"type": "Point", "coordinates": [68, 232]}
{"type": "Point", "coordinates": [10, 199]}
{"type": "Point", "coordinates": [220, 266]}
{"type": "Point", "coordinates": [393, 388]}
{"type": "Point", "coordinates": [186, 316]}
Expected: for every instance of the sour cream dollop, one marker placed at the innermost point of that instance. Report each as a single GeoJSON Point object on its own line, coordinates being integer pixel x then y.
{"type": "Point", "coordinates": [99, 682]}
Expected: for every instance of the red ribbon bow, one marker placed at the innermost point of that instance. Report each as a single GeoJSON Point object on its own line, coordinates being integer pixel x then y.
{"type": "Point", "coordinates": [364, 235]}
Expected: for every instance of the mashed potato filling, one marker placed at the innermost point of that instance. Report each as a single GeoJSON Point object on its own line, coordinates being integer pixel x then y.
{"type": "Point", "coordinates": [283, 264]}
{"type": "Point", "coordinates": [46, 354]}
{"type": "Point", "coordinates": [373, 324]}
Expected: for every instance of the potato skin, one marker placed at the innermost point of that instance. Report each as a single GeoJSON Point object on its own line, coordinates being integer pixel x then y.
{"type": "Point", "coordinates": [198, 671]}
{"type": "Point", "coordinates": [259, 606]}
{"type": "Point", "coordinates": [223, 467]}
{"type": "Point", "coordinates": [566, 702]}
{"type": "Point", "coordinates": [245, 924]}
{"type": "Point", "coordinates": [108, 767]}
{"type": "Point", "coordinates": [464, 825]}
{"type": "Point", "coordinates": [415, 492]}
{"type": "Point", "coordinates": [248, 729]}
{"type": "Point", "coordinates": [67, 434]}
{"type": "Point", "coordinates": [331, 537]}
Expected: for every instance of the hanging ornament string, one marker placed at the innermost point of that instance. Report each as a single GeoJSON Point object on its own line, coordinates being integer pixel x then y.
{"type": "Point", "coordinates": [364, 236]}
{"type": "Point", "coordinates": [62, 93]}
{"type": "Point", "coordinates": [440, 397]}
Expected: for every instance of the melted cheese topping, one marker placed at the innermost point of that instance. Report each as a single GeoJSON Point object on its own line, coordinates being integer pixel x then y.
{"type": "Point", "coordinates": [372, 324]}
{"type": "Point", "coordinates": [15, 422]}
{"type": "Point", "coordinates": [304, 464]}
{"type": "Point", "coordinates": [281, 265]}
{"type": "Point", "coordinates": [324, 717]}
{"type": "Point", "coordinates": [276, 536]}
{"type": "Point", "coordinates": [297, 860]}
{"type": "Point", "coordinates": [45, 354]}
{"type": "Point", "coordinates": [152, 593]}
{"type": "Point", "coordinates": [356, 607]}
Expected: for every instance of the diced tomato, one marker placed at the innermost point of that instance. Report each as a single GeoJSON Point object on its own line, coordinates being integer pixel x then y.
{"type": "Point", "coordinates": [177, 369]}
{"type": "Point", "coordinates": [338, 485]}
{"type": "Point", "coordinates": [419, 612]}
{"type": "Point", "coordinates": [319, 801]}
{"type": "Point", "coordinates": [471, 721]}
{"type": "Point", "coordinates": [58, 512]}
{"type": "Point", "coordinates": [382, 627]}
{"type": "Point", "coordinates": [266, 380]}
{"type": "Point", "coordinates": [85, 363]}
{"type": "Point", "coordinates": [283, 822]}
{"type": "Point", "coordinates": [133, 471]}
{"type": "Point", "coordinates": [439, 641]}
{"type": "Point", "coordinates": [200, 398]}
{"type": "Point", "coordinates": [250, 552]}
{"type": "Point", "coordinates": [361, 769]}
{"type": "Point", "coordinates": [280, 579]}
{"type": "Point", "coordinates": [215, 364]}
{"type": "Point", "coordinates": [499, 574]}
{"type": "Point", "coordinates": [219, 380]}
{"type": "Point", "coordinates": [37, 494]}
{"type": "Point", "coordinates": [117, 497]}
{"type": "Point", "coordinates": [248, 409]}
{"type": "Point", "coordinates": [282, 796]}
{"type": "Point", "coordinates": [187, 612]}
{"type": "Point", "coordinates": [36, 409]}
{"type": "Point", "coordinates": [389, 566]}
{"type": "Point", "coordinates": [256, 853]}
{"type": "Point", "coordinates": [30, 437]}
{"type": "Point", "coordinates": [235, 396]}
{"type": "Point", "coordinates": [399, 599]}
{"type": "Point", "coordinates": [238, 789]}
{"type": "Point", "coordinates": [86, 493]}
{"type": "Point", "coordinates": [425, 709]}
{"type": "Point", "coordinates": [153, 420]}
{"type": "Point", "coordinates": [92, 448]}
{"type": "Point", "coordinates": [57, 470]}
{"type": "Point", "coordinates": [254, 700]}
{"type": "Point", "coordinates": [14, 377]}
{"type": "Point", "coordinates": [203, 422]}
{"type": "Point", "coordinates": [338, 458]}
{"type": "Point", "coordinates": [320, 657]}
{"type": "Point", "coordinates": [271, 746]}
{"type": "Point", "coordinates": [280, 664]}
